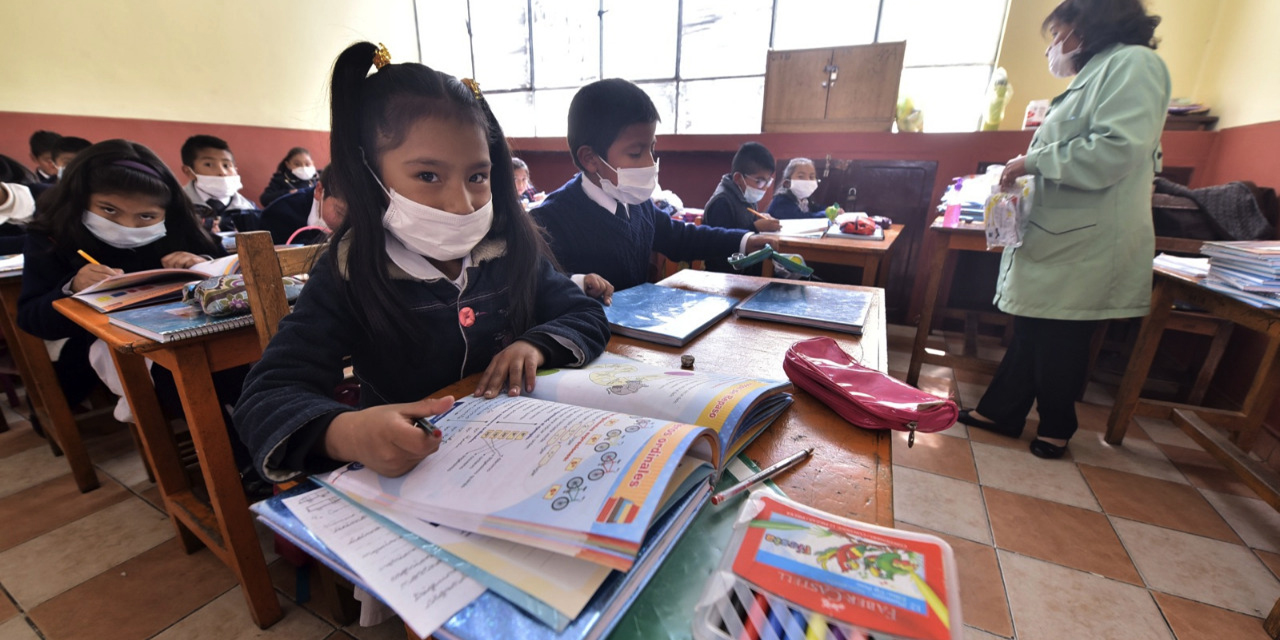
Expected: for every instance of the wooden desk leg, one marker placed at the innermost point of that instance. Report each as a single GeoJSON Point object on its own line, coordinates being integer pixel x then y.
{"type": "Point", "coordinates": [870, 271]}
{"type": "Point", "coordinates": [1135, 374]}
{"type": "Point", "coordinates": [156, 438]}
{"type": "Point", "coordinates": [1262, 392]}
{"type": "Point", "coordinates": [209, 433]}
{"type": "Point", "coordinates": [936, 264]}
{"type": "Point", "coordinates": [61, 425]}
{"type": "Point", "coordinates": [1272, 624]}
{"type": "Point", "coordinates": [766, 268]}
{"type": "Point", "coordinates": [8, 312]}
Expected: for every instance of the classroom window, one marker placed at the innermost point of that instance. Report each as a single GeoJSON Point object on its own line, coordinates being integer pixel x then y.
{"type": "Point", "coordinates": [702, 61]}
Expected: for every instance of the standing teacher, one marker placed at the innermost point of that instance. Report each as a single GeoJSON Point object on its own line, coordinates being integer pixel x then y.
{"type": "Point", "coordinates": [1087, 248]}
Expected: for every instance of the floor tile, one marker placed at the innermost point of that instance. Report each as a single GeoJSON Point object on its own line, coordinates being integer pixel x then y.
{"type": "Point", "coordinates": [340, 635]}
{"type": "Point", "coordinates": [128, 470]}
{"type": "Point", "coordinates": [956, 430]}
{"type": "Point", "coordinates": [152, 496]}
{"type": "Point", "coordinates": [137, 598]}
{"type": "Point", "coordinates": [1254, 520]}
{"type": "Point", "coordinates": [1095, 393]}
{"type": "Point", "coordinates": [981, 586]}
{"type": "Point", "coordinates": [1056, 603]}
{"type": "Point", "coordinates": [940, 503]}
{"type": "Point", "coordinates": [392, 629]}
{"type": "Point", "coordinates": [1191, 620]}
{"type": "Point", "coordinates": [1020, 443]}
{"type": "Point", "coordinates": [1021, 472]}
{"type": "Point", "coordinates": [1209, 571]}
{"type": "Point", "coordinates": [227, 618]}
{"type": "Point", "coordinates": [939, 386]}
{"type": "Point", "coordinates": [1158, 502]}
{"type": "Point", "coordinates": [49, 505]}
{"type": "Point", "coordinates": [974, 634]}
{"type": "Point", "coordinates": [112, 444]}
{"type": "Point", "coordinates": [1138, 456]}
{"type": "Point", "coordinates": [1163, 431]}
{"type": "Point", "coordinates": [973, 377]}
{"type": "Point", "coordinates": [938, 454]}
{"type": "Point", "coordinates": [7, 610]}
{"type": "Point", "coordinates": [39, 569]}
{"type": "Point", "coordinates": [1204, 472]}
{"type": "Point", "coordinates": [1272, 560]}
{"type": "Point", "coordinates": [19, 438]}
{"type": "Point", "coordinates": [1058, 533]}
{"type": "Point", "coordinates": [17, 629]}
{"type": "Point", "coordinates": [28, 469]}
{"type": "Point", "coordinates": [1093, 417]}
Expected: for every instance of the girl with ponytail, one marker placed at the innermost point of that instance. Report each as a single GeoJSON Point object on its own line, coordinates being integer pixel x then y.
{"type": "Point", "coordinates": [434, 274]}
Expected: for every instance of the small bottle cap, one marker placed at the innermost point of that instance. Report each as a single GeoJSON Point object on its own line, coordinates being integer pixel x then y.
{"type": "Point", "coordinates": [686, 362]}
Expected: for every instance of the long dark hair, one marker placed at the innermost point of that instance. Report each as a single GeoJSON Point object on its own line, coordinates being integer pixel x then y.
{"type": "Point", "coordinates": [118, 167]}
{"type": "Point", "coordinates": [283, 167]}
{"type": "Point", "coordinates": [373, 113]}
{"type": "Point", "coordinates": [1102, 23]}
{"type": "Point", "coordinates": [15, 172]}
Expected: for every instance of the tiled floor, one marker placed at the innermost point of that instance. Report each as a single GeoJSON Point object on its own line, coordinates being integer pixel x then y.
{"type": "Point", "coordinates": [1150, 540]}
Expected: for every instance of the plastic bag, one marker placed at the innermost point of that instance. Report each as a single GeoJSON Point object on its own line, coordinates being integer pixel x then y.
{"type": "Point", "coordinates": [1005, 214]}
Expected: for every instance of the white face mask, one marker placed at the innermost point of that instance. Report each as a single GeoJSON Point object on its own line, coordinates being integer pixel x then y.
{"type": "Point", "coordinates": [752, 194]}
{"type": "Point", "coordinates": [120, 236]}
{"type": "Point", "coordinates": [803, 188]}
{"type": "Point", "coordinates": [433, 232]}
{"type": "Point", "coordinates": [1062, 65]}
{"type": "Point", "coordinates": [218, 187]}
{"type": "Point", "coordinates": [316, 217]}
{"type": "Point", "coordinates": [60, 172]}
{"type": "Point", "coordinates": [634, 185]}
{"type": "Point", "coordinates": [304, 173]}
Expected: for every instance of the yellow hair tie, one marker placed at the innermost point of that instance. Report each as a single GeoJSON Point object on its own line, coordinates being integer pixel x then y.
{"type": "Point", "coordinates": [474, 87]}
{"type": "Point", "coordinates": [381, 57]}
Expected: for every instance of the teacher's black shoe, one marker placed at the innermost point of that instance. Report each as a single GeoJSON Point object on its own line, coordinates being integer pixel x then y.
{"type": "Point", "coordinates": [967, 418]}
{"type": "Point", "coordinates": [1046, 450]}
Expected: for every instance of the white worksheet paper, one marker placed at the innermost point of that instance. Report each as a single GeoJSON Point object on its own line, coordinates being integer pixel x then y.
{"type": "Point", "coordinates": [424, 591]}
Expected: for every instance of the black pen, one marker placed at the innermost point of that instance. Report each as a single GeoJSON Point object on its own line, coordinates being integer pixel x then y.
{"type": "Point", "coordinates": [427, 427]}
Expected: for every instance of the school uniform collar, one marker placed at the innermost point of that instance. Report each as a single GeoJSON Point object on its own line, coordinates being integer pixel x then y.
{"type": "Point", "coordinates": [598, 196]}
{"type": "Point", "coordinates": [1093, 67]}
{"type": "Point", "coordinates": [491, 248]}
{"type": "Point", "coordinates": [730, 187]}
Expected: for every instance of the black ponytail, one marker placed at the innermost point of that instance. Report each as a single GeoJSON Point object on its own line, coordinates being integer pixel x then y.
{"type": "Point", "coordinates": [372, 113]}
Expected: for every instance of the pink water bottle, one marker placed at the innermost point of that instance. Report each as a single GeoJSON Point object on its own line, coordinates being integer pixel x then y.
{"type": "Point", "coordinates": [951, 215]}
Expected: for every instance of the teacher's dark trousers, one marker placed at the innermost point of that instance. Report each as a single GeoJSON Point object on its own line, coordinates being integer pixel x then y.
{"type": "Point", "coordinates": [1047, 363]}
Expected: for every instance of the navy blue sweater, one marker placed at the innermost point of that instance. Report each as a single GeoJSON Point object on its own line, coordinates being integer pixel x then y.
{"type": "Point", "coordinates": [284, 183]}
{"type": "Point", "coordinates": [287, 404]}
{"type": "Point", "coordinates": [588, 239]}
{"type": "Point", "coordinates": [784, 206]}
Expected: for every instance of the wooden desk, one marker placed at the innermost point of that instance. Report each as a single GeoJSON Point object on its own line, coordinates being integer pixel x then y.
{"type": "Point", "coordinates": [43, 389]}
{"type": "Point", "coordinates": [225, 525]}
{"type": "Point", "coordinates": [966, 237]}
{"type": "Point", "coordinates": [871, 255]}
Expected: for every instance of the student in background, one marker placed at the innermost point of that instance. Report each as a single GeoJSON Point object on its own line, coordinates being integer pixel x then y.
{"type": "Point", "coordinates": [66, 150]}
{"type": "Point", "coordinates": [297, 171]}
{"type": "Point", "coordinates": [42, 144]}
{"type": "Point", "coordinates": [603, 221]}
{"type": "Point", "coordinates": [119, 204]}
{"type": "Point", "coordinates": [524, 186]}
{"type": "Point", "coordinates": [791, 198]}
{"type": "Point", "coordinates": [215, 185]}
{"type": "Point", "coordinates": [435, 274]}
{"type": "Point", "coordinates": [17, 204]}
{"type": "Point", "coordinates": [733, 204]}
{"type": "Point", "coordinates": [298, 218]}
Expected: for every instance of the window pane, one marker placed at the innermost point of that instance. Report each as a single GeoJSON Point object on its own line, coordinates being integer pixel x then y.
{"type": "Point", "coordinates": [663, 95]}
{"type": "Point", "coordinates": [969, 33]}
{"type": "Point", "coordinates": [725, 38]}
{"type": "Point", "coordinates": [951, 98]}
{"type": "Point", "coordinates": [446, 46]}
{"type": "Point", "coordinates": [514, 112]}
{"type": "Point", "coordinates": [721, 106]}
{"type": "Point", "coordinates": [500, 35]}
{"type": "Point", "coordinates": [566, 43]}
{"type": "Point", "coordinates": [810, 24]}
{"type": "Point", "coordinates": [649, 26]}
{"type": "Point", "coordinates": [551, 112]}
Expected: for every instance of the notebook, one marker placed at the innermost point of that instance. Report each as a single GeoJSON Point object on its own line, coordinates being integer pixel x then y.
{"type": "Point", "coordinates": [832, 308]}
{"type": "Point", "coordinates": [139, 288]}
{"type": "Point", "coordinates": [175, 321]}
{"type": "Point", "coordinates": [11, 263]}
{"type": "Point", "coordinates": [665, 315]}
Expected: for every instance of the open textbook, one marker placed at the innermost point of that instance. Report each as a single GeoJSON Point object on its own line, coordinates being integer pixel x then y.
{"type": "Point", "coordinates": [584, 470]}
{"type": "Point", "coordinates": [138, 288]}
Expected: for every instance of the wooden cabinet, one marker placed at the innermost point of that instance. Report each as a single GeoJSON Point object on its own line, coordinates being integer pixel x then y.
{"type": "Point", "coordinates": [837, 89]}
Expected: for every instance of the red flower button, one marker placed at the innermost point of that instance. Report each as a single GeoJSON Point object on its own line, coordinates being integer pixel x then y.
{"type": "Point", "coordinates": [466, 316]}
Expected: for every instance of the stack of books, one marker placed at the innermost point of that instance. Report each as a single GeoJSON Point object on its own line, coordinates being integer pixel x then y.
{"type": "Point", "coordinates": [1246, 270]}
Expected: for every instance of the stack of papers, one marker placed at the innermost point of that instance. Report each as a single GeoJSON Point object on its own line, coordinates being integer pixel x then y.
{"type": "Point", "coordinates": [1190, 267]}
{"type": "Point", "coordinates": [1247, 270]}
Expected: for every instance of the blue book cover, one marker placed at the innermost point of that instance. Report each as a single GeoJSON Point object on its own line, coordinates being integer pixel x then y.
{"type": "Point", "coordinates": [174, 321]}
{"type": "Point", "coordinates": [833, 308]}
{"type": "Point", "coordinates": [665, 315]}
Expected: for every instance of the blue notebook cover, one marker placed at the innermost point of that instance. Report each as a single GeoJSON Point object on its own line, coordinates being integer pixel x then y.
{"type": "Point", "coordinates": [174, 321]}
{"type": "Point", "coordinates": [832, 308]}
{"type": "Point", "coordinates": [665, 315]}
{"type": "Point", "coordinates": [491, 616]}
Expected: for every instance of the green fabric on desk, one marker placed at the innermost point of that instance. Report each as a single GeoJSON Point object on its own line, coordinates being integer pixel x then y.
{"type": "Point", "coordinates": [665, 608]}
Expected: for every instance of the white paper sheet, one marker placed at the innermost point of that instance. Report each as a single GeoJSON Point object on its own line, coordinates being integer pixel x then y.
{"type": "Point", "coordinates": [422, 590]}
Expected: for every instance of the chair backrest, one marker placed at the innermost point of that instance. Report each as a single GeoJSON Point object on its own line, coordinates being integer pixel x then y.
{"type": "Point", "coordinates": [263, 266]}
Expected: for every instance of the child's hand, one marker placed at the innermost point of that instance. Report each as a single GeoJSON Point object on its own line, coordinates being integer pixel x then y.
{"type": "Point", "coordinates": [92, 274]}
{"type": "Point", "coordinates": [767, 223]}
{"type": "Point", "coordinates": [513, 369]}
{"type": "Point", "coordinates": [384, 438]}
{"type": "Point", "coordinates": [180, 260]}
{"type": "Point", "coordinates": [756, 243]}
{"type": "Point", "coordinates": [597, 287]}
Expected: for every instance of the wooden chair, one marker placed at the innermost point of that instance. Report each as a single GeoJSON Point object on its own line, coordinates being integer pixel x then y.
{"type": "Point", "coordinates": [263, 266]}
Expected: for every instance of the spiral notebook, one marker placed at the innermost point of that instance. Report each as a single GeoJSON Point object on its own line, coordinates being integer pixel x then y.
{"type": "Point", "coordinates": [175, 321]}
{"type": "Point", "coordinates": [833, 308]}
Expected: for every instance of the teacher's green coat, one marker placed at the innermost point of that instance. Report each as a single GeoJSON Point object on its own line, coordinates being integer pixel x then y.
{"type": "Point", "coordinates": [1088, 243]}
